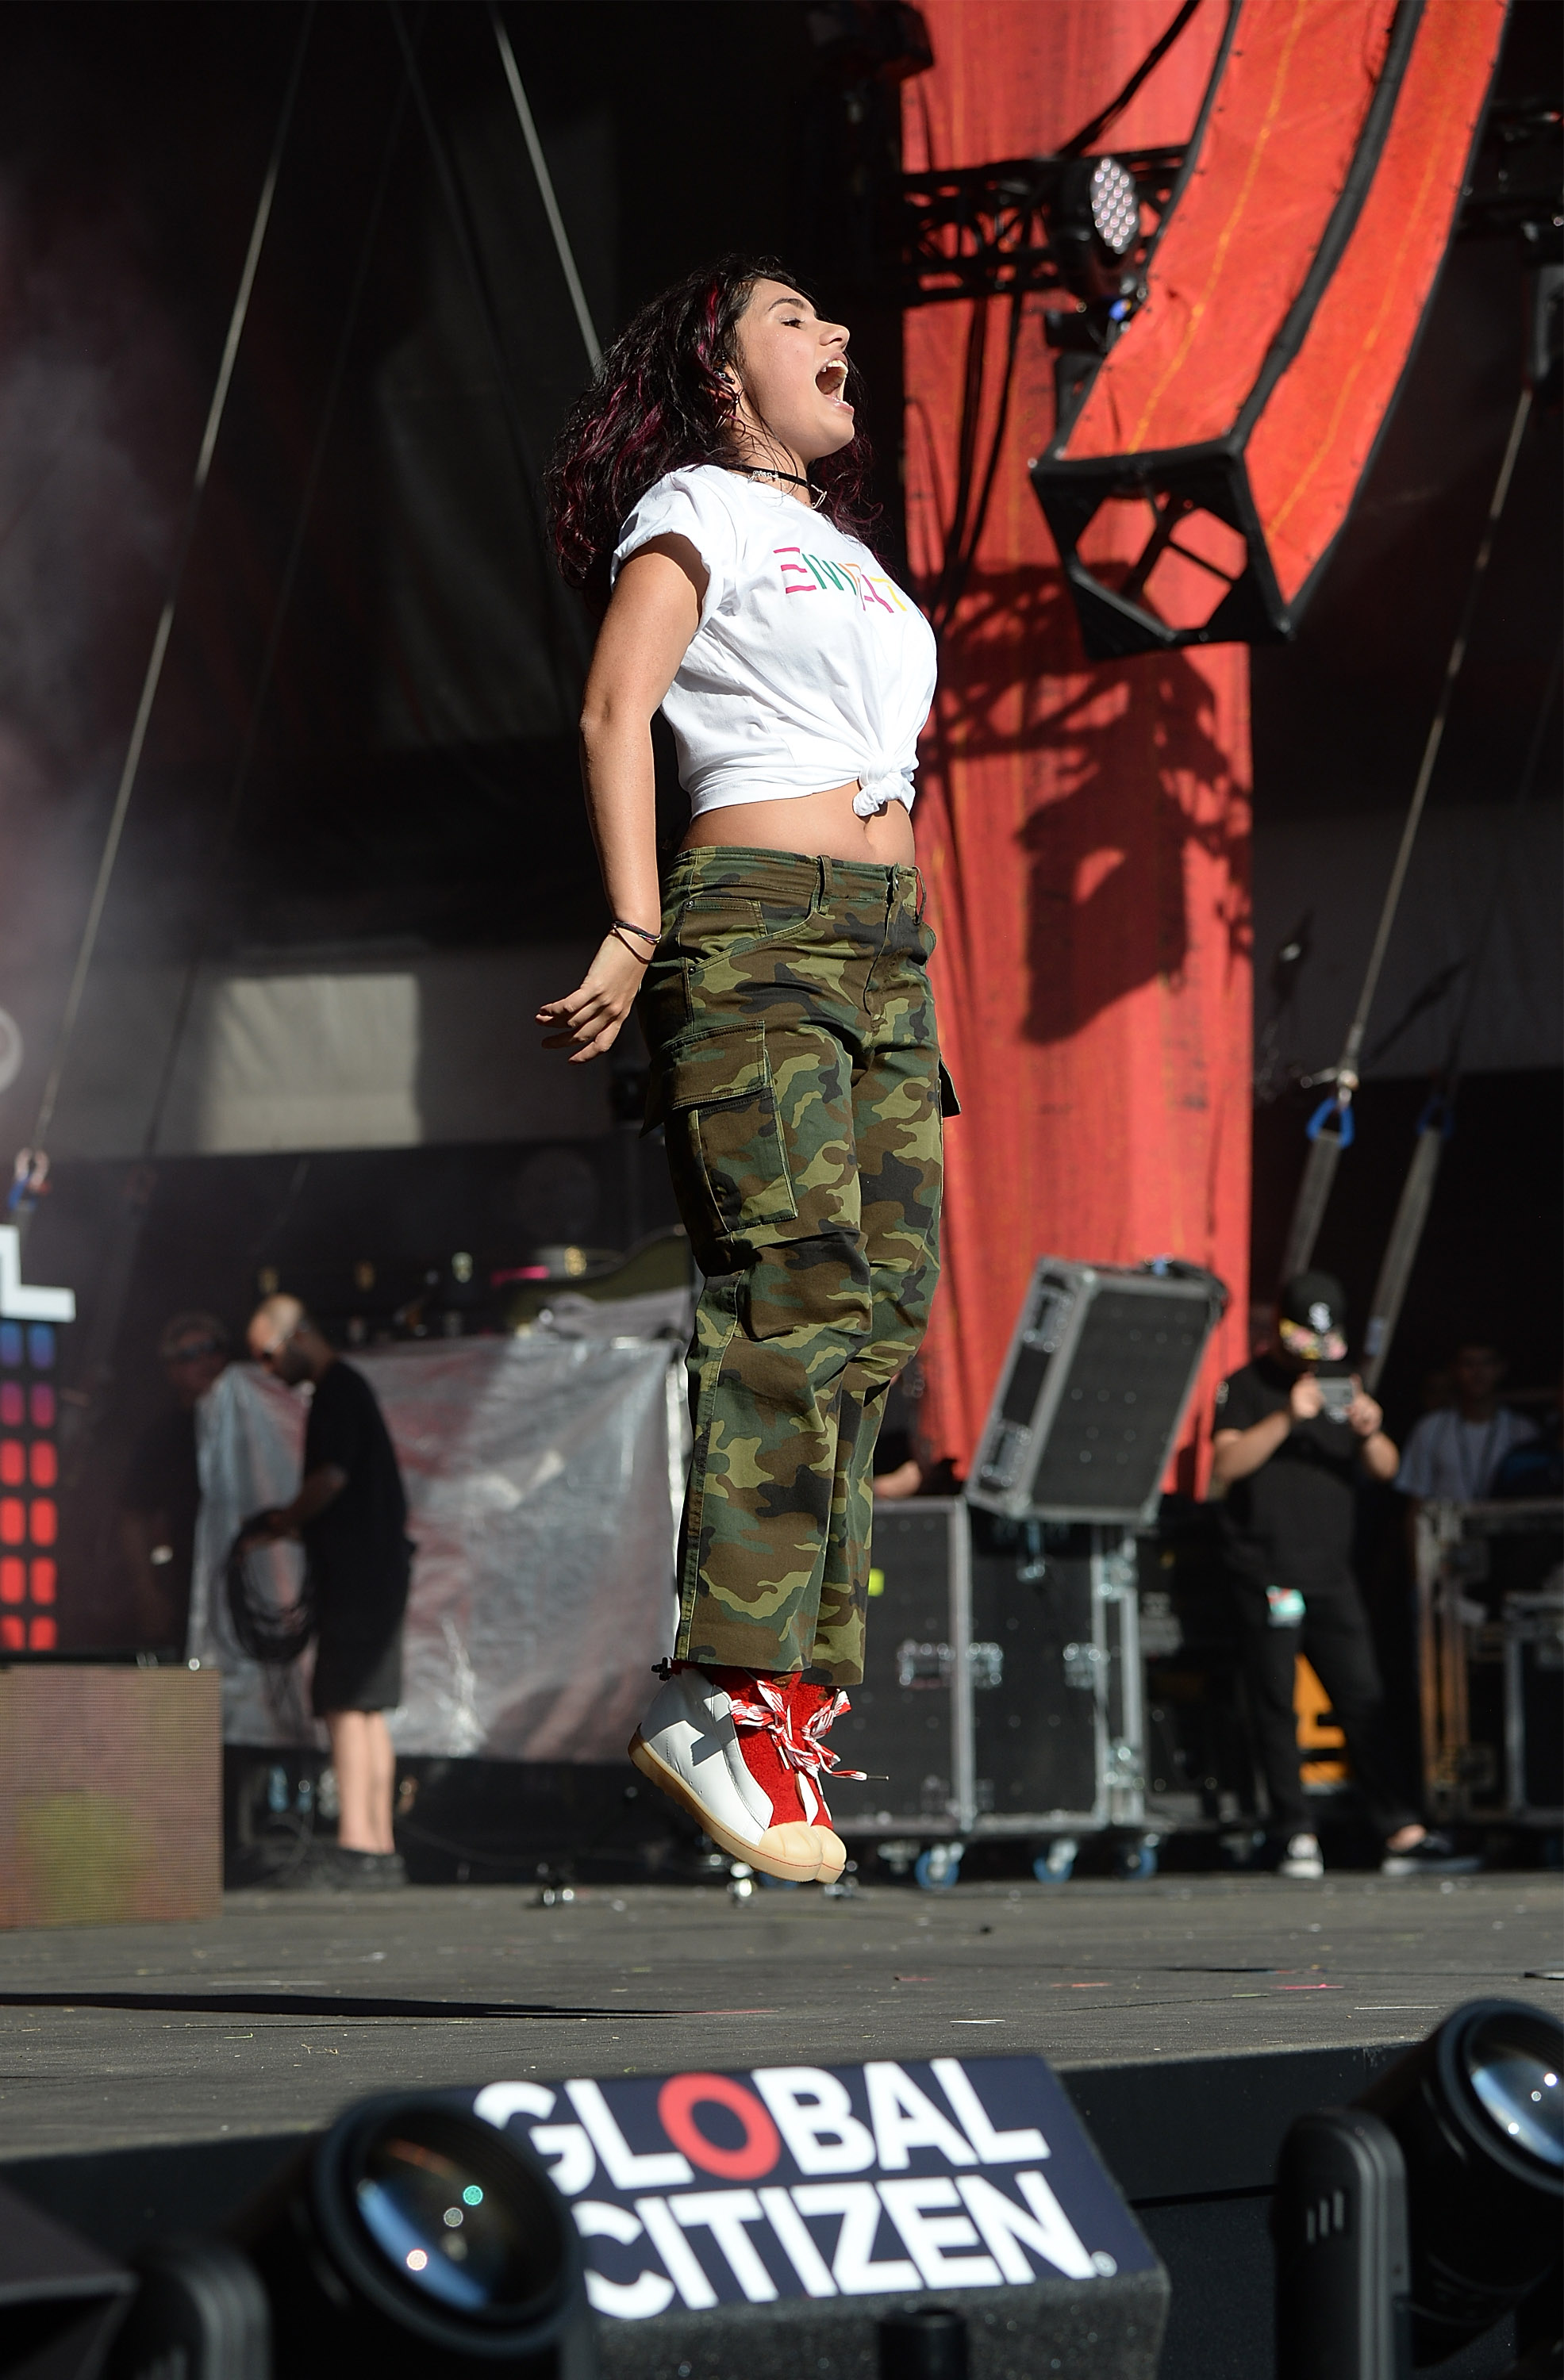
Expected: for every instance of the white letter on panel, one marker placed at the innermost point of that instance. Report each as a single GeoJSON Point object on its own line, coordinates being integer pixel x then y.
{"type": "Point", "coordinates": [993, 2148]}
{"type": "Point", "coordinates": [676, 2251]}
{"type": "Point", "coordinates": [725, 2212]}
{"type": "Point", "coordinates": [815, 2116]}
{"type": "Point", "coordinates": [904, 2119]}
{"type": "Point", "coordinates": [1047, 2231]}
{"type": "Point", "coordinates": [796, 2238]}
{"type": "Point", "coordinates": [662, 2170]}
{"type": "Point", "coordinates": [649, 2294]}
{"type": "Point", "coordinates": [574, 2163]}
{"type": "Point", "coordinates": [857, 2274]}
{"type": "Point", "coordinates": [931, 2236]}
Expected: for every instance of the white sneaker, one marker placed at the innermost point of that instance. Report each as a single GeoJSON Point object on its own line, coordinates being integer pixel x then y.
{"type": "Point", "coordinates": [1301, 1858]}
{"type": "Point", "coordinates": [689, 1747]}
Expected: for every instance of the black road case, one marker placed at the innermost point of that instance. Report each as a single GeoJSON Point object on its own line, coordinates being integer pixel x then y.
{"type": "Point", "coordinates": [1001, 1696]}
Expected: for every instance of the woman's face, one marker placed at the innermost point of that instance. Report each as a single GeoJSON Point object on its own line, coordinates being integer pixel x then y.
{"type": "Point", "coordinates": [792, 373]}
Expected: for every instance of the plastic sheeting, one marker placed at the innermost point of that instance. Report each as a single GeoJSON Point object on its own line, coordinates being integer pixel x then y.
{"type": "Point", "coordinates": [543, 1476]}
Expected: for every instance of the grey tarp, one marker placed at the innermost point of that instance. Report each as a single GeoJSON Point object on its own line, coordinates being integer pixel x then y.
{"type": "Point", "coordinates": [543, 1477]}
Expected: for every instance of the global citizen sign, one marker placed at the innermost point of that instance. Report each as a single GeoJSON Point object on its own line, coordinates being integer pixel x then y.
{"type": "Point", "coordinates": [823, 2181]}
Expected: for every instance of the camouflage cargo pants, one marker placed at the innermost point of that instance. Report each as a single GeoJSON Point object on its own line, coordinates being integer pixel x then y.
{"type": "Point", "coordinates": [796, 1070]}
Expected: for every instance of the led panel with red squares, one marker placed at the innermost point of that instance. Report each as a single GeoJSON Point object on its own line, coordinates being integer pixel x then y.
{"type": "Point", "coordinates": [30, 1470]}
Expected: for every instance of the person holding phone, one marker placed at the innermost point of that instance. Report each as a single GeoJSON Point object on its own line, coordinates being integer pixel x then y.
{"type": "Point", "coordinates": [1295, 1435]}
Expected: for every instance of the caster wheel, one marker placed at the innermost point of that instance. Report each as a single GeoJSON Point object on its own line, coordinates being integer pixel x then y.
{"type": "Point", "coordinates": [1243, 1849]}
{"type": "Point", "coordinates": [1056, 1865]}
{"type": "Point", "coordinates": [1135, 1862]}
{"type": "Point", "coordinates": [938, 1868]}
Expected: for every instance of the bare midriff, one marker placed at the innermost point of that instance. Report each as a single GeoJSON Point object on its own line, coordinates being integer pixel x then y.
{"type": "Point", "coordinates": [821, 826]}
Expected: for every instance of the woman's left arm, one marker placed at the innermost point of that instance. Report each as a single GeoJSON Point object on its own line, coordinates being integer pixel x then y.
{"type": "Point", "coordinates": [654, 612]}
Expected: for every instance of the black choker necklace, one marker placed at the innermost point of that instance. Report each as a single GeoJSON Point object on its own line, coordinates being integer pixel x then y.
{"type": "Point", "coordinates": [765, 472]}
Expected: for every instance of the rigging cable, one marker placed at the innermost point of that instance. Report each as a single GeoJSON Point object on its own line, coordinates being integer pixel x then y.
{"type": "Point", "coordinates": [584, 323]}
{"type": "Point", "coordinates": [1116, 107]}
{"type": "Point", "coordinates": [131, 767]}
{"type": "Point", "coordinates": [125, 1229]}
{"type": "Point", "coordinates": [239, 783]}
{"type": "Point", "coordinates": [1437, 1120]}
{"type": "Point", "coordinates": [1330, 1126]}
{"type": "Point", "coordinates": [559, 606]}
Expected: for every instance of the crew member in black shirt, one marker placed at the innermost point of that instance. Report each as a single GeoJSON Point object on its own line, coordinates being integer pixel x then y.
{"type": "Point", "coordinates": [351, 1513]}
{"type": "Point", "coordinates": [1294, 1435]}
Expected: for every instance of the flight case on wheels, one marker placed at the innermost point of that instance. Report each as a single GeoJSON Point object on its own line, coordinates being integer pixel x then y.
{"type": "Point", "coordinates": [1490, 1615]}
{"type": "Point", "coordinates": [1001, 1696]}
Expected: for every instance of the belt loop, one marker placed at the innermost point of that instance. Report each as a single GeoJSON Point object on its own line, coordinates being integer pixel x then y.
{"type": "Point", "coordinates": [922, 894]}
{"type": "Point", "coordinates": [822, 885]}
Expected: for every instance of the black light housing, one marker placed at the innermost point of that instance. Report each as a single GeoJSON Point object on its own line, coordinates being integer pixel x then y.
{"type": "Point", "coordinates": [1093, 217]}
{"type": "Point", "coordinates": [1411, 2224]}
{"type": "Point", "coordinates": [1478, 2110]}
{"type": "Point", "coordinates": [415, 2240]}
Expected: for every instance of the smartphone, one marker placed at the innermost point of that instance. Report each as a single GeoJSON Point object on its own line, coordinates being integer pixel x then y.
{"type": "Point", "coordinates": [1338, 1397]}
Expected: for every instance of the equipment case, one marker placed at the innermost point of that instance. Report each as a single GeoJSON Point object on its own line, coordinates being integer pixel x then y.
{"type": "Point", "coordinates": [1102, 1365]}
{"type": "Point", "coordinates": [1001, 1696]}
{"type": "Point", "coordinates": [1490, 1621]}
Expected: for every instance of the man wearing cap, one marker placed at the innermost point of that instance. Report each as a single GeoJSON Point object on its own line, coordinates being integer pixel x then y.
{"type": "Point", "coordinates": [351, 1513]}
{"type": "Point", "coordinates": [1294, 1436]}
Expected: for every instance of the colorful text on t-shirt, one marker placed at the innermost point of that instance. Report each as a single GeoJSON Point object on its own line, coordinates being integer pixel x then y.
{"type": "Point", "coordinates": [810, 574]}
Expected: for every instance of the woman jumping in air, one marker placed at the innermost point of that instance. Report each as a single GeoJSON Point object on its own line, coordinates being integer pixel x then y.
{"type": "Point", "coordinates": [703, 495]}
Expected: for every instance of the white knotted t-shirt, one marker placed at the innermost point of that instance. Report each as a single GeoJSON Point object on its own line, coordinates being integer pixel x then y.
{"type": "Point", "coordinates": [810, 666]}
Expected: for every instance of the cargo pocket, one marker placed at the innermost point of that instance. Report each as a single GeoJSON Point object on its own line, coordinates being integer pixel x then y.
{"type": "Point", "coordinates": [712, 1087]}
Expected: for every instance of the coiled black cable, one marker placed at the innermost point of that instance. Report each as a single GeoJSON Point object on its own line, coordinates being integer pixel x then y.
{"type": "Point", "coordinates": [267, 1633]}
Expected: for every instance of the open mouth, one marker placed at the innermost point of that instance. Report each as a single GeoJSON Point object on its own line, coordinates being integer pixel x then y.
{"type": "Point", "coordinates": [831, 380]}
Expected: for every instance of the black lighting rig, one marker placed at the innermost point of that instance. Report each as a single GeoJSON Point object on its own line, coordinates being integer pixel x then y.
{"type": "Point", "coordinates": [1077, 223]}
{"type": "Point", "coordinates": [1028, 225]}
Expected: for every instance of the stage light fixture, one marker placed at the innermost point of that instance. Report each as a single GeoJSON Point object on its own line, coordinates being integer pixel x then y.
{"type": "Point", "coordinates": [1412, 2223]}
{"type": "Point", "coordinates": [416, 2239]}
{"type": "Point", "coordinates": [1093, 217]}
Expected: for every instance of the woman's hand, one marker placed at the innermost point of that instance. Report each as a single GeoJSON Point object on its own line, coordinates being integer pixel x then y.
{"type": "Point", "coordinates": [587, 1022]}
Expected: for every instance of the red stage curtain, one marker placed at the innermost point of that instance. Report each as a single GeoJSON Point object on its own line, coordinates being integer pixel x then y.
{"type": "Point", "coordinates": [1084, 829]}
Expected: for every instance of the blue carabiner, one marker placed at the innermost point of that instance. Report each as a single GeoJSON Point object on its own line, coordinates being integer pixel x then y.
{"type": "Point", "coordinates": [1316, 1122]}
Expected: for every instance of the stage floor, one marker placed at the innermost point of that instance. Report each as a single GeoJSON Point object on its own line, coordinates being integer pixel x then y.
{"type": "Point", "coordinates": [288, 2006]}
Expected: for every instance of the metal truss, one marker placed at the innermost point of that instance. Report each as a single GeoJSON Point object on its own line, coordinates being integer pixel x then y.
{"type": "Point", "coordinates": [982, 231]}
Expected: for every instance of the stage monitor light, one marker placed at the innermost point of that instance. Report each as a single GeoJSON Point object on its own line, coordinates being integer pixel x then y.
{"type": "Point", "coordinates": [414, 2238]}
{"type": "Point", "coordinates": [1430, 2210]}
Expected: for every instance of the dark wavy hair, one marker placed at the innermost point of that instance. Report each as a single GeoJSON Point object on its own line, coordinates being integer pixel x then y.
{"type": "Point", "coordinates": [660, 403]}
